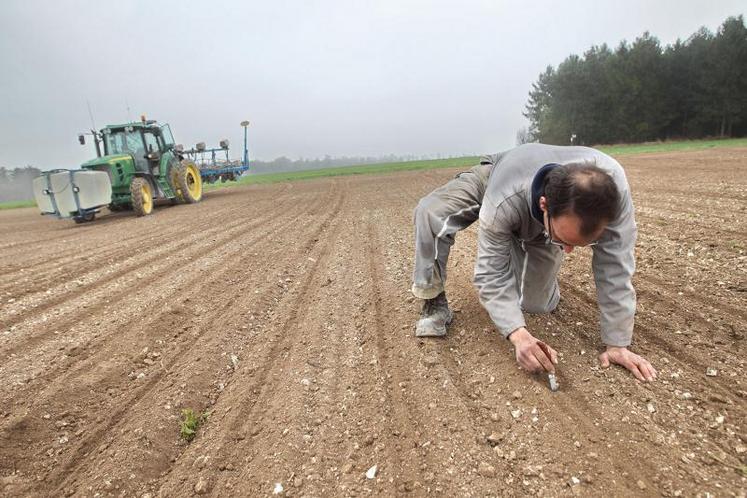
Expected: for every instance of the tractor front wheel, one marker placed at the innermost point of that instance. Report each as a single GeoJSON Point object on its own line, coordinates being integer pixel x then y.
{"type": "Point", "coordinates": [188, 182]}
{"type": "Point", "coordinates": [141, 196]}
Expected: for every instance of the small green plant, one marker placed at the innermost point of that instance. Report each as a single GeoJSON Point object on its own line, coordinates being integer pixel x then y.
{"type": "Point", "coordinates": [191, 421]}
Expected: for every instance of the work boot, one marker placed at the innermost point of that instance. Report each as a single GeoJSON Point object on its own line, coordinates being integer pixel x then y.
{"type": "Point", "coordinates": [434, 318]}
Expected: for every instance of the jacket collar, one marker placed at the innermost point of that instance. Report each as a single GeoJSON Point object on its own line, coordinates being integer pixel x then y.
{"type": "Point", "coordinates": [537, 192]}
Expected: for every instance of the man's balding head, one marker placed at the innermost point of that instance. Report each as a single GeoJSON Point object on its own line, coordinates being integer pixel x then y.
{"type": "Point", "coordinates": [583, 190]}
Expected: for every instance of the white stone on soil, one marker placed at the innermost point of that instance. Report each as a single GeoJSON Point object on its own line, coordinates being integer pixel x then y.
{"type": "Point", "coordinates": [371, 473]}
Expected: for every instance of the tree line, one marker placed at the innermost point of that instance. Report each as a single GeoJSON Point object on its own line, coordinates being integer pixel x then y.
{"type": "Point", "coordinates": [642, 91]}
{"type": "Point", "coordinates": [15, 184]}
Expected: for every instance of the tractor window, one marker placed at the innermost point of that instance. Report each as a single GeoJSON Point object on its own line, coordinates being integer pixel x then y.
{"type": "Point", "coordinates": [168, 138]}
{"type": "Point", "coordinates": [134, 142]}
{"type": "Point", "coordinates": [120, 142]}
{"type": "Point", "coordinates": [151, 142]}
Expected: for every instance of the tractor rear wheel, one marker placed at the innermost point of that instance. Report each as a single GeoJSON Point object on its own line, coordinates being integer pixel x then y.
{"type": "Point", "coordinates": [141, 196]}
{"type": "Point", "coordinates": [188, 182]}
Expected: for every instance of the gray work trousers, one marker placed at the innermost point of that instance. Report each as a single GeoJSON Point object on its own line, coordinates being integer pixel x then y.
{"type": "Point", "coordinates": [454, 207]}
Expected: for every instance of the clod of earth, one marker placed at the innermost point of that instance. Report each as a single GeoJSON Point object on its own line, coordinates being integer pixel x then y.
{"type": "Point", "coordinates": [486, 470]}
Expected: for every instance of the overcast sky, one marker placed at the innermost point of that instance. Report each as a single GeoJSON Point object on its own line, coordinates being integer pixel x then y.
{"type": "Point", "coordinates": [313, 77]}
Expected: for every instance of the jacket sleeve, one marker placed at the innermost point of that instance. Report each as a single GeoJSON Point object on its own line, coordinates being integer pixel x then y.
{"type": "Point", "coordinates": [494, 276]}
{"type": "Point", "coordinates": [613, 262]}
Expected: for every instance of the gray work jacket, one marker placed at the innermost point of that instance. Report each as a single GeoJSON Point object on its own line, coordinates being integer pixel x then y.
{"type": "Point", "coordinates": [506, 214]}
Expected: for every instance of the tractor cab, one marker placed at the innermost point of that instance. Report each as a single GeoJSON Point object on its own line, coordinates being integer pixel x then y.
{"type": "Point", "coordinates": [146, 142]}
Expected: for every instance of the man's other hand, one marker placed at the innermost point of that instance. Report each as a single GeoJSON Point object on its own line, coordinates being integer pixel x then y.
{"type": "Point", "coordinates": [530, 352]}
{"type": "Point", "coordinates": [638, 365]}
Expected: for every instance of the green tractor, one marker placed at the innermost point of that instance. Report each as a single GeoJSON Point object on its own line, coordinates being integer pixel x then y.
{"type": "Point", "coordinates": [138, 165]}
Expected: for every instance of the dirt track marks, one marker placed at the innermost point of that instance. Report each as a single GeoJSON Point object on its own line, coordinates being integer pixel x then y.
{"type": "Point", "coordinates": [144, 330]}
{"type": "Point", "coordinates": [126, 275]}
{"type": "Point", "coordinates": [312, 232]}
{"type": "Point", "coordinates": [403, 417]}
{"type": "Point", "coordinates": [196, 260]}
{"type": "Point", "coordinates": [256, 405]}
{"type": "Point", "coordinates": [45, 276]}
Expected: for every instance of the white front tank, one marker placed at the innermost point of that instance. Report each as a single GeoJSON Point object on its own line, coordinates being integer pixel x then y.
{"type": "Point", "coordinates": [94, 190]}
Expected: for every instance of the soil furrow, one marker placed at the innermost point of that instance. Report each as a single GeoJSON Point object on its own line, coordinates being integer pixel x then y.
{"type": "Point", "coordinates": [217, 278]}
{"type": "Point", "coordinates": [161, 269]}
{"type": "Point", "coordinates": [47, 271]}
{"type": "Point", "coordinates": [239, 423]}
{"type": "Point", "coordinates": [129, 264]}
{"type": "Point", "coordinates": [79, 361]}
{"type": "Point", "coordinates": [214, 319]}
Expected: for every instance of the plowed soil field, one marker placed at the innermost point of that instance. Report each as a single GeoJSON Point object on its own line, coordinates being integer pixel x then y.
{"type": "Point", "coordinates": [284, 311]}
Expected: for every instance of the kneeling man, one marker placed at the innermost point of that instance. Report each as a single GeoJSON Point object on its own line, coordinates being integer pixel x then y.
{"type": "Point", "coordinates": [535, 203]}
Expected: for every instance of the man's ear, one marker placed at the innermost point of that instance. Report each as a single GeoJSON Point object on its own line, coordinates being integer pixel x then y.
{"type": "Point", "coordinates": [543, 203]}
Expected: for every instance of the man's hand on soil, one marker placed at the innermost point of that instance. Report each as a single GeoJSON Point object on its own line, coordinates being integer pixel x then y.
{"type": "Point", "coordinates": [530, 352]}
{"type": "Point", "coordinates": [638, 365]}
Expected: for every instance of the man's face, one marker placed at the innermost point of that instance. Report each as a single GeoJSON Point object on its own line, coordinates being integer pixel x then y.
{"type": "Point", "coordinates": [565, 230]}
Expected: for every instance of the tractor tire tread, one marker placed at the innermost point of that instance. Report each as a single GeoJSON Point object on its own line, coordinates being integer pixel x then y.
{"type": "Point", "coordinates": [179, 180]}
{"type": "Point", "coordinates": [136, 194]}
